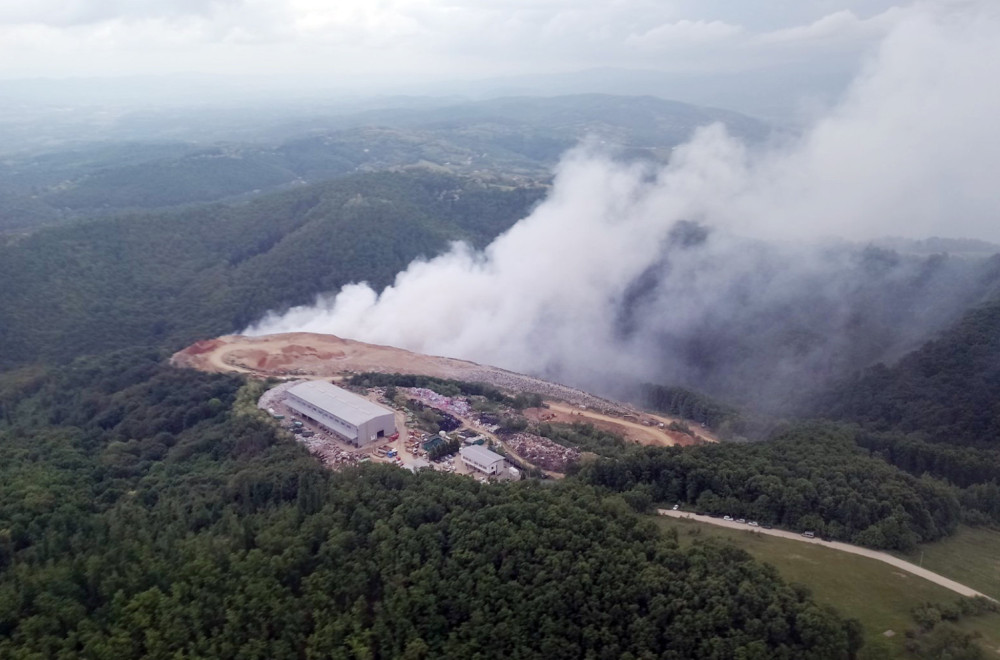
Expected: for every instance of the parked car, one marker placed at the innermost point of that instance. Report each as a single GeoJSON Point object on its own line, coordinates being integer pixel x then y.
{"type": "Point", "coordinates": [742, 520]}
{"type": "Point", "coordinates": [675, 507]}
{"type": "Point", "coordinates": [753, 523]}
{"type": "Point", "coordinates": [809, 535]}
{"type": "Point", "coordinates": [729, 518]}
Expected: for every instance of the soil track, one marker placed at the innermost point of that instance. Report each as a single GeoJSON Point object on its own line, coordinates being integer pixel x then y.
{"type": "Point", "coordinates": [311, 355]}
{"type": "Point", "coordinates": [644, 434]}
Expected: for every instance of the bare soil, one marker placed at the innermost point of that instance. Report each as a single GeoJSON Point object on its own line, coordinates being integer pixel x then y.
{"type": "Point", "coordinates": [643, 429]}
{"type": "Point", "coordinates": [311, 355]}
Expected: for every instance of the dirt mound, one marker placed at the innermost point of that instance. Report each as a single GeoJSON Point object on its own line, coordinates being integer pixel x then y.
{"type": "Point", "coordinates": [204, 346]}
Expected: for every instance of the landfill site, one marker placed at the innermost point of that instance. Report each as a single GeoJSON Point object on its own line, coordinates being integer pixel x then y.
{"type": "Point", "coordinates": [411, 442]}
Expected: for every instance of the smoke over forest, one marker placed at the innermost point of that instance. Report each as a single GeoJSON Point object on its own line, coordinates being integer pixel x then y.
{"type": "Point", "coordinates": [742, 271]}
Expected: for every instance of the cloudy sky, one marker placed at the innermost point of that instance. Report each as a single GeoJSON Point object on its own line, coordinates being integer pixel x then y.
{"type": "Point", "coordinates": [434, 38]}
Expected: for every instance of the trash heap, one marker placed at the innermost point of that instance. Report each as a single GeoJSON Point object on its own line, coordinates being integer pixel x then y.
{"type": "Point", "coordinates": [542, 452]}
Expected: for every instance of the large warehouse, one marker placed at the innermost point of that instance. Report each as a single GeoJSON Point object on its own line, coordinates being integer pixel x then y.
{"type": "Point", "coordinates": [353, 418]}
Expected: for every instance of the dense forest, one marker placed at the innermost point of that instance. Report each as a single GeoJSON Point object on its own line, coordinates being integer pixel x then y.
{"type": "Point", "coordinates": [948, 388]}
{"type": "Point", "coordinates": [153, 512]}
{"type": "Point", "coordinates": [809, 478]}
{"type": "Point", "coordinates": [169, 279]}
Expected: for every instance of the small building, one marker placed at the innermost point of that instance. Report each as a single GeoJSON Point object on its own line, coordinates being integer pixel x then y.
{"type": "Point", "coordinates": [351, 417]}
{"type": "Point", "coordinates": [482, 459]}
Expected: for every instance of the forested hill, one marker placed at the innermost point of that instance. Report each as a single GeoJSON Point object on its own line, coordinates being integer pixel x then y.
{"type": "Point", "coordinates": [149, 512]}
{"type": "Point", "coordinates": [166, 279]}
{"type": "Point", "coordinates": [948, 389]}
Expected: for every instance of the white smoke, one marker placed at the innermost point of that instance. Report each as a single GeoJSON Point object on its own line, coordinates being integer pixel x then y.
{"type": "Point", "coordinates": [912, 150]}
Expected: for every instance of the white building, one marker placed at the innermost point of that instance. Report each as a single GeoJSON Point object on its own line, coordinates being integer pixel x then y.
{"type": "Point", "coordinates": [482, 459]}
{"type": "Point", "coordinates": [354, 418]}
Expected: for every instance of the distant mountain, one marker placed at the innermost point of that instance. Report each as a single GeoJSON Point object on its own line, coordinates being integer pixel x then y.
{"type": "Point", "coordinates": [936, 245]}
{"type": "Point", "coordinates": [515, 139]}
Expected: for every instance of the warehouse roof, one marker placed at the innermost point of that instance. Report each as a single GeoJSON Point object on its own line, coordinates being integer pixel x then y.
{"type": "Point", "coordinates": [348, 406]}
{"type": "Point", "coordinates": [480, 454]}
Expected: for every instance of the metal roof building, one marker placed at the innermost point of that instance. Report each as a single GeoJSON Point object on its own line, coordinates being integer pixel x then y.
{"type": "Point", "coordinates": [352, 417]}
{"type": "Point", "coordinates": [482, 459]}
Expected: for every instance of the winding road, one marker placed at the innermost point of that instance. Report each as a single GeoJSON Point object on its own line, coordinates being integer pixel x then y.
{"type": "Point", "coordinates": [835, 545]}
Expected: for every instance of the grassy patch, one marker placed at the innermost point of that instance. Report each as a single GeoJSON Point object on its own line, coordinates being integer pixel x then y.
{"type": "Point", "coordinates": [878, 595]}
{"type": "Point", "coordinates": [970, 556]}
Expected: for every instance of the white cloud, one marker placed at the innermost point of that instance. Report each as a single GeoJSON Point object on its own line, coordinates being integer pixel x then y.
{"type": "Point", "coordinates": [844, 24]}
{"type": "Point", "coordinates": [683, 33]}
{"type": "Point", "coordinates": [448, 37]}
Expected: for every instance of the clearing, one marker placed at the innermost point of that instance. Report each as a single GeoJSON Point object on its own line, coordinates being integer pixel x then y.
{"type": "Point", "coordinates": [881, 596]}
{"type": "Point", "coordinates": [971, 556]}
{"type": "Point", "coordinates": [312, 355]}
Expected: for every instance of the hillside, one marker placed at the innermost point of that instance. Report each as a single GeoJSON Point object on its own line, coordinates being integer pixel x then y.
{"type": "Point", "coordinates": [948, 388]}
{"type": "Point", "coordinates": [778, 326]}
{"type": "Point", "coordinates": [171, 278]}
{"type": "Point", "coordinates": [148, 511]}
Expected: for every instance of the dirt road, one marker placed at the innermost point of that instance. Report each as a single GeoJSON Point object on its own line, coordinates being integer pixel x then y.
{"type": "Point", "coordinates": [836, 545]}
{"type": "Point", "coordinates": [644, 435]}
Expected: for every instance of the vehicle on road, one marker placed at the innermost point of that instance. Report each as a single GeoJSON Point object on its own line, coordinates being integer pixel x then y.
{"type": "Point", "coordinates": [729, 518]}
{"type": "Point", "coordinates": [676, 506]}
{"type": "Point", "coordinates": [742, 520]}
{"type": "Point", "coordinates": [809, 535]}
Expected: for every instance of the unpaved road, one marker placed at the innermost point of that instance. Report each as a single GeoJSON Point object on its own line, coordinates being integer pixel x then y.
{"type": "Point", "coordinates": [836, 545]}
{"type": "Point", "coordinates": [644, 435]}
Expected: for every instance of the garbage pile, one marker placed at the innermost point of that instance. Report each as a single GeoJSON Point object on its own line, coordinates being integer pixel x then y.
{"type": "Point", "coordinates": [326, 450]}
{"type": "Point", "coordinates": [455, 405]}
{"type": "Point", "coordinates": [542, 452]}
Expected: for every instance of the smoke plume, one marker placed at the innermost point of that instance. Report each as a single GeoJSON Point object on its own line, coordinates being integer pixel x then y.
{"type": "Point", "coordinates": [716, 270]}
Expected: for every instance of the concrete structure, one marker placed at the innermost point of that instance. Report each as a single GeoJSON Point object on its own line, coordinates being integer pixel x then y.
{"type": "Point", "coordinates": [482, 459]}
{"type": "Point", "coordinates": [355, 419]}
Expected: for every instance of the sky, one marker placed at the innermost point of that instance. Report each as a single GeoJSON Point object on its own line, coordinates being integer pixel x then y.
{"type": "Point", "coordinates": [397, 39]}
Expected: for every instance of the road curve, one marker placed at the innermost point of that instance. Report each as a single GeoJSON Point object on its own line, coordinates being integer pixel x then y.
{"type": "Point", "coordinates": [836, 545]}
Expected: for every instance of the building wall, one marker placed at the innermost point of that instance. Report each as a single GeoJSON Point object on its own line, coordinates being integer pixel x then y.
{"type": "Point", "coordinates": [368, 432]}
{"type": "Point", "coordinates": [488, 468]}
